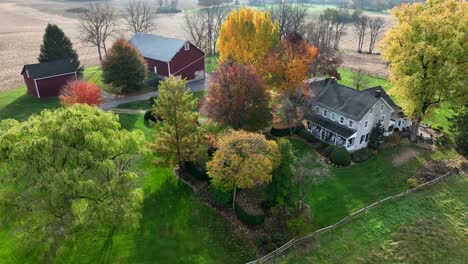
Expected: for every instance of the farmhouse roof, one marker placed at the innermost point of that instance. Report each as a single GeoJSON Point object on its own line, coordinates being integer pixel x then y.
{"type": "Point", "coordinates": [378, 90]}
{"type": "Point", "coordinates": [157, 47]}
{"type": "Point", "coordinates": [346, 101]}
{"type": "Point", "coordinates": [49, 69]}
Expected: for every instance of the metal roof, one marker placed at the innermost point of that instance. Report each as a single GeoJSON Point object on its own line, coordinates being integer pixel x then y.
{"type": "Point", "coordinates": [157, 47]}
{"type": "Point", "coordinates": [48, 69]}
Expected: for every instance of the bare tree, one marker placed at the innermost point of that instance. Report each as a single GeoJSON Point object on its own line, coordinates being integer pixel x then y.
{"type": "Point", "coordinates": [307, 173]}
{"type": "Point", "coordinates": [203, 27]}
{"type": "Point", "coordinates": [360, 79]}
{"type": "Point", "coordinates": [360, 27]}
{"type": "Point", "coordinates": [139, 16]}
{"type": "Point", "coordinates": [291, 18]}
{"type": "Point", "coordinates": [290, 109]}
{"type": "Point", "coordinates": [376, 27]}
{"type": "Point", "coordinates": [98, 23]}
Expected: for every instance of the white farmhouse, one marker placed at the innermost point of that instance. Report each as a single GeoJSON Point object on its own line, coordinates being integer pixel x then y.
{"type": "Point", "coordinates": [345, 116]}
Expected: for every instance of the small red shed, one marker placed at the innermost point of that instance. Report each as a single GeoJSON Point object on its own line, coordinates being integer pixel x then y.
{"type": "Point", "coordinates": [46, 79]}
{"type": "Point", "coordinates": [168, 56]}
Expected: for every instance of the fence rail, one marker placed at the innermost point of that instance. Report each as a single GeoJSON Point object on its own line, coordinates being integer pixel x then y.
{"type": "Point", "coordinates": [293, 241]}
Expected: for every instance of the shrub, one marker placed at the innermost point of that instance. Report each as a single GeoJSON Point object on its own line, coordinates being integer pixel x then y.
{"type": "Point", "coordinates": [80, 92]}
{"type": "Point", "coordinates": [153, 81]}
{"type": "Point", "coordinates": [340, 156]}
{"type": "Point", "coordinates": [394, 138]}
{"type": "Point", "coordinates": [300, 225]}
{"type": "Point", "coordinates": [152, 100]}
{"type": "Point", "coordinates": [149, 116]}
{"type": "Point", "coordinates": [361, 155]}
{"type": "Point", "coordinates": [412, 182]}
{"type": "Point", "coordinates": [222, 198]}
{"type": "Point", "coordinates": [303, 133]}
{"type": "Point", "coordinates": [197, 170]}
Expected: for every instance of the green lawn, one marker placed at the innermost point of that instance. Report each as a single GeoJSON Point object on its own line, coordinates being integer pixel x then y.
{"type": "Point", "coordinates": [17, 104]}
{"type": "Point", "coordinates": [211, 63]}
{"type": "Point", "coordinates": [424, 227]}
{"type": "Point", "coordinates": [347, 189]}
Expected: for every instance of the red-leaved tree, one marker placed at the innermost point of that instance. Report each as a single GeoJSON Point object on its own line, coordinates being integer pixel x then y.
{"type": "Point", "coordinates": [238, 98]}
{"type": "Point", "coordinates": [80, 92]}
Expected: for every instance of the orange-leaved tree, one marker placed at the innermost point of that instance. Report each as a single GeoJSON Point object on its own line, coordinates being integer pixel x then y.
{"type": "Point", "coordinates": [247, 36]}
{"type": "Point", "coordinates": [80, 92]}
{"type": "Point", "coordinates": [288, 64]}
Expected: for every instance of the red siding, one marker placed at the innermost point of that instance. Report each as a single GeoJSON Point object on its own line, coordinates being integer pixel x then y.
{"type": "Point", "coordinates": [51, 86]}
{"type": "Point", "coordinates": [30, 85]}
{"type": "Point", "coordinates": [186, 62]}
{"type": "Point", "coordinates": [160, 66]}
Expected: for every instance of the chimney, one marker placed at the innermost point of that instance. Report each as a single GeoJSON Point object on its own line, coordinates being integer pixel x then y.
{"type": "Point", "coordinates": [378, 93]}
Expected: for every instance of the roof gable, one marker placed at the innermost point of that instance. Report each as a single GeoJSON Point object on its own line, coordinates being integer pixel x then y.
{"type": "Point", "coordinates": [48, 69]}
{"type": "Point", "coordinates": [157, 47]}
{"type": "Point", "coordinates": [379, 91]}
{"type": "Point", "coordinates": [346, 101]}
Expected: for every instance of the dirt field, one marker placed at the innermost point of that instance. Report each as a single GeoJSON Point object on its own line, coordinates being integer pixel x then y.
{"type": "Point", "coordinates": [22, 24]}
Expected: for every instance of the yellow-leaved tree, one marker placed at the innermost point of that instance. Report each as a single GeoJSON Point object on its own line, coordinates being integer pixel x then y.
{"type": "Point", "coordinates": [427, 50]}
{"type": "Point", "coordinates": [243, 160]}
{"type": "Point", "coordinates": [247, 36]}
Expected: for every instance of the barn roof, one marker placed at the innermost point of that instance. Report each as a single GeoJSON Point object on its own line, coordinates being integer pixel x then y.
{"type": "Point", "coordinates": [48, 69]}
{"type": "Point", "coordinates": [341, 99]}
{"type": "Point", "coordinates": [157, 47]}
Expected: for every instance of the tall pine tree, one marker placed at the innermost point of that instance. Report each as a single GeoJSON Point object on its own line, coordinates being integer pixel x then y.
{"type": "Point", "coordinates": [57, 46]}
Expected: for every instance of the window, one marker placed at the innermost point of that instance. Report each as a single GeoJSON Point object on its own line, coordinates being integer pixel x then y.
{"type": "Point", "coordinates": [27, 73]}
{"type": "Point", "coordinates": [333, 116]}
{"type": "Point", "coordinates": [367, 137]}
{"type": "Point", "coordinates": [318, 109]}
{"type": "Point", "coordinates": [366, 123]}
{"type": "Point", "coordinates": [362, 139]}
{"type": "Point", "coordinates": [383, 118]}
{"type": "Point", "coordinates": [350, 124]}
{"type": "Point", "coordinates": [371, 110]}
{"type": "Point", "coordinates": [155, 69]}
{"type": "Point", "coordinates": [325, 113]}
{"type": "Point", "coordinates": [341, 120]}
{"type": "Point", "coordinates": [187, 46]}
{"type": "Point", "coordinates": [399, 123]}
{"type": "Point", "coordinates": [381, 107]}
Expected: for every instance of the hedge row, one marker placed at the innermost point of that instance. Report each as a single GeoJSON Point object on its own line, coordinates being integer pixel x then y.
{"type": "Point", "coordinates": [283, 132]}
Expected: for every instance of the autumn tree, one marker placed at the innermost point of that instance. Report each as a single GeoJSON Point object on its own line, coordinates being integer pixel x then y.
{"type": "Point", "coordinates": [139, 16]}
{"type": "Point", "coordinates": [124, 67]}
{"type": "Point", "coordinates": [57, 46]}
{"type": "Point", "coordinates": [287, 66]}
{"type": "Point", "coordinates": [179, 139]}
{"type": "Point", "coordinates": [426, 49]}
{"type": "Point", "coordinates": [67, 170]}
{"type": "Point", "coordinates": [243, 160]}
{"type": "Point", "coordinates": [238, 98]}
{"type": "Point", "coordinates": [80, 92]}
{"type": "Point", "coordinates": [247, 36]}
{"type": "Point", "coordinates": [280, 189]}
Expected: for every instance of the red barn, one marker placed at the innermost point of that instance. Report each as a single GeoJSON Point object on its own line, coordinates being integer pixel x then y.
{"type": "Point", "coordinates": [46, 79]}
{"type": "Point", "coordinates": [169, 56]}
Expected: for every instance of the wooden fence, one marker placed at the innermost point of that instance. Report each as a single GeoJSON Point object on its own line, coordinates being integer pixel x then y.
{"type": "Point", "coordinates": [293, 241]}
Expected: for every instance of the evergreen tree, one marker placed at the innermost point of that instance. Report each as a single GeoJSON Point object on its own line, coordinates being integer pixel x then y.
{"type": "Point", "coordinates": [57, 46]}
{"type": "Point", "coordinates": [180, 139]}
{"type": "Point", "coordinates": [459, 129]}
{"type": "Point", "coordinates": [124, 67]}
{"type": "Point", "coordinates": [376, 136]}
{"type": "Point", "coordinates": [280, 190]}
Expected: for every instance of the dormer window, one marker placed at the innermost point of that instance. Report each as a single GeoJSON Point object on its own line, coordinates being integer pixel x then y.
{"type": "Point", "coordinates": [350, 124]}
{"type": "Point", "coordinates": [187, 46]}
{"type": "Point", "coordinates": [318, 109]}
{"type": "Point", "coordinates": [341, 120]}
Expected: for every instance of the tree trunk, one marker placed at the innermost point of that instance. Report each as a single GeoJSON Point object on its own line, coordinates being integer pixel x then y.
{"type": "Point", "coordinates": [414, 130]}
{"type": "Point", "coordinates": [99, 52]}
{"type": "Point", "coordinates": [234, 198]}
